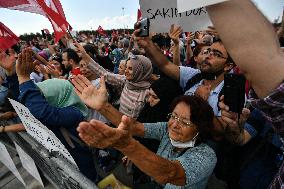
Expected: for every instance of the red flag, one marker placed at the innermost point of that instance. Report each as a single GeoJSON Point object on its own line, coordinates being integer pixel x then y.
{"type": "Point", "coordinates": [51, 9]}
{"type": "Point", "coordinates": [139, 15]}
{"type": "Point", "coordinates": [7, 37]}
{"type": "Point", "coordinates": [113, 32]}
{"type": "Point", "coordinates": [101, 31]}
{"type": "Point", "coordinates": [46, 31]}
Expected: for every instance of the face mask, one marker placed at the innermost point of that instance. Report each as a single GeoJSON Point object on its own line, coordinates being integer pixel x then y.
{"type": "Point", "coordinates": [188, 144]}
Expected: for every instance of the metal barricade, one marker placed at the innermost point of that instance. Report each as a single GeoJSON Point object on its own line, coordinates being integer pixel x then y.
{"type": "Point", "coordinates": [57, 170]}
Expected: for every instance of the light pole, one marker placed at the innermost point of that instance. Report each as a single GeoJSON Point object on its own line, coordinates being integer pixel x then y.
{"type": "Point", "coordinates": [123, 16]}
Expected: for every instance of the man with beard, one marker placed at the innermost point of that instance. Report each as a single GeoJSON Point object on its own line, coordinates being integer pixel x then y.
{"type": "Point", "coordinates": [207, 82]}
{"type": "Point", "coordinates": [71, 61]}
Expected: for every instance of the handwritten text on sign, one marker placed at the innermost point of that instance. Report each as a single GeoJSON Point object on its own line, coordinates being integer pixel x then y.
{"type": "Point", "coordinates": [40, 132]}
{"type": "Point", "coordinates": [164, 13]}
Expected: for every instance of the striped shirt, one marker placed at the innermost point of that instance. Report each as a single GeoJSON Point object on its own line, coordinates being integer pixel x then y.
{"type": "Point", "coordinates": [131, 101]}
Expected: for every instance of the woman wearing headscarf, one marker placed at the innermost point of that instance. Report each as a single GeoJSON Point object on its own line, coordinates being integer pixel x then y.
{"type": "Point", "coordinates": [55, 104]}
{"type": "Point", "coordinates": [134, 84]}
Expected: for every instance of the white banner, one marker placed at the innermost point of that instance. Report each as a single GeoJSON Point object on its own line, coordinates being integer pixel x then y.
{"type": "Point", "coordinates": [28, 163]}
{"type": "Point", "coordinates": [6, 159]}
{"type": "Point", "coordinates": [185, 5]}
{"type": "Point", "coordinates": [40, 132]}
{"type": "Point", "coordinates": [164, 13]}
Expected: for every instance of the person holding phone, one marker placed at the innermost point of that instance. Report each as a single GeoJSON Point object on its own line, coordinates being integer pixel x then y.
{"type": "Point", "coordinates": [213, 62]}
{"type": "Point", "coordinates": [260, 147]}
{"type": "Point", "coordinates": [258, 55]}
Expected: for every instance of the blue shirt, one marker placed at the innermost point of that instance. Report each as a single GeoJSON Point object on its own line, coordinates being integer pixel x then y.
{"type": "Point", "coordinates": [186, 73]}
{"type": "Point", "coordinates": [198, 162]}
{"type": "Point", "coordinates": [54, 118]}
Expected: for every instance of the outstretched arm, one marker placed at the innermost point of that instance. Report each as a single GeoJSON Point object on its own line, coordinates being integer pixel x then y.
{"type": "Point", "coordinates": [157, 57]}
{"type": "Point", "coordinates": [97, 134]}
{"type": "Point", "coordinates": [97, 99]}
{"type": "Point", "coordinates": [174, 35]}
{"type": "Point", "coordinates": [251, 41]}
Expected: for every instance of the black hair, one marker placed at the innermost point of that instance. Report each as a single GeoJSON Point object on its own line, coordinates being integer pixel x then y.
{"type": "Point", "coordinates": [197, 49]}
{"type": "Point", "coordinates": [91, 50]}
{"type": "Point", "coordinates": [229, 58]}
{"type": "Point", "coordinates": [71, 54]}
{"type": "Point", "coordinates": [161, 41]}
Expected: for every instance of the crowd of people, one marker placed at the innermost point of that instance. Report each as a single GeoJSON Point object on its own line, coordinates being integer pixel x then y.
{"type": "Point", "coordinates": [159, 100]}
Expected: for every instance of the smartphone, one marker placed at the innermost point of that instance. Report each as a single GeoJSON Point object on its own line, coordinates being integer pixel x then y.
{"type": "Point", "coordinates": [144, 27]}
{"type": "Point", "coordinates": [43, 34]}
{"type": "Point", "coordinates": [234, 91]}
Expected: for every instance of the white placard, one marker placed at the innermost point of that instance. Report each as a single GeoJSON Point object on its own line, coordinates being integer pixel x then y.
{"type": "Point", "coordinates": [28, 163]}
{"type": "Point", "coordinates": [164, 13]}
{"type": "Point", "coordinates": [185, 5]}
{"type": "Point", "coordinates": [40, 132]}
{"type": "Point", "coordinates": [6, 159]}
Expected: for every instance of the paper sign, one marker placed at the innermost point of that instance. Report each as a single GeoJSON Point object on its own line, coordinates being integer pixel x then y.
{"type": "Point", "coordinates": [28, 163]}
{"type": "Point", "coordinates": [40, 132]}
{"type": "Point", "coordinates": [164, 13]}
{"type": "Point", "coordinates": [185, 5]}
{"type": "Point", "coordinates": [6, 159]}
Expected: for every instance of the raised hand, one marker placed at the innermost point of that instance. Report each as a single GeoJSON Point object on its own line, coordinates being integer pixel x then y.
{"type": "Point", "coordinates": [81, 52]}
{"type": "Point", "coordinates": [25, 65]}
{"type": "Point", "coordinates": [189, 38]}
{"type": "Point", "coordinates": [174, 33]}
{"type": "Point", "coordinates": [203, 91]}
{"type": "Point", "coordinates": [99, 135]}
{"type": "Point", "coordinates": [52, 71]}
{"type": "Point", "coordinates": [92, 97]}
{"type": "Point", "coordinates": [231, 118]}
{"type": "Point", "coordinates": [142, 41]}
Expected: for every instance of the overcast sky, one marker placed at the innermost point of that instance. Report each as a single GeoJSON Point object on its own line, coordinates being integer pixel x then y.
{"type": "Point", "coordinates": [89, 14]}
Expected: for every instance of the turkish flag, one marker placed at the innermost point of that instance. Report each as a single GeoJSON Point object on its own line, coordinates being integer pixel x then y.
{"type": "Point", "coordinates": [7, 37]}
{"type": "Point", "coordinates": [101, 31]}
{"type": "Point", "coordinates": [51, 9]}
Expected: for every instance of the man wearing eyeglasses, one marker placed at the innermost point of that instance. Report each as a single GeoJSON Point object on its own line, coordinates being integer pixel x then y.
{"type": "Point", "coordinates": [213, 61]}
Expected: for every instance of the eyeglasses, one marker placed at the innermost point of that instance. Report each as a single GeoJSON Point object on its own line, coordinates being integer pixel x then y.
{"type": "Point", "coordinates": [184, 123]}
{"type": "Point", "coordinates": [214, 52]}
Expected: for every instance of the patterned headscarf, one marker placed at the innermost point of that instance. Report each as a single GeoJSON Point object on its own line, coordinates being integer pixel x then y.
{"type": "Point", "coordinates": [142, 72]}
